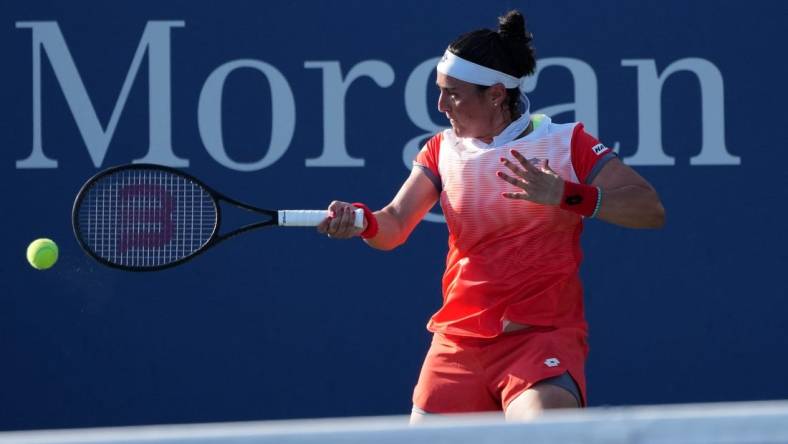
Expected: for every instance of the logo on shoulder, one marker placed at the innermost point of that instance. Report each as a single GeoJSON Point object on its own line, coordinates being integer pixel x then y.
{"type": "Point", "coordinates": [552, 362]}
{"type": "Point", "coordinates": [599, 149]}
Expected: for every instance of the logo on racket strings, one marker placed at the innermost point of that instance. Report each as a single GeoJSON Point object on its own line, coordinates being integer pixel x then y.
{"type": "Point", "coordinates": [144, 225]}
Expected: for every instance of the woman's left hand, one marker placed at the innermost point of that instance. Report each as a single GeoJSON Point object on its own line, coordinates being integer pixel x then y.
{"type": "Point", "coordinates": [539, 183]}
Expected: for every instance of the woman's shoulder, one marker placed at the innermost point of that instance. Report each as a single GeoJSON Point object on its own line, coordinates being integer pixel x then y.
{"type": "Point", "coordinates": [544, 125]}
{"type": "Point", "coordinates": [434, 142]}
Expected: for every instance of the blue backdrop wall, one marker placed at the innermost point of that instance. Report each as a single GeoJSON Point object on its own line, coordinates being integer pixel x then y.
{"type": "Point", "coordinates": [293, 104]}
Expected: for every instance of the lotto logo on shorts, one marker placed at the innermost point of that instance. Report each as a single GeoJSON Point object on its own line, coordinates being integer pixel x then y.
{"type": "Point", "coordinates": [552, 362]}
{"type": "Point", "coordinates": [599, 149]}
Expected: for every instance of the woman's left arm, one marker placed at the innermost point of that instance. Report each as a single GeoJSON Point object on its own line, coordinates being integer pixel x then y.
{"type": "Point", "coordinates": [627, 198]}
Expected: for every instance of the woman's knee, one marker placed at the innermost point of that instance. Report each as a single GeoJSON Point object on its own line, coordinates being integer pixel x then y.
{"type": "Point", "coordinates": [418, 416]}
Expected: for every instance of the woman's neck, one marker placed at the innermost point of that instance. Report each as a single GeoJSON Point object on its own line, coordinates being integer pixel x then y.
{"type": "Point", "coordinates": [506, 120]}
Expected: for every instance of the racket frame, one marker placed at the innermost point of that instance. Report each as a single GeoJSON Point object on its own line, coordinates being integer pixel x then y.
{"type": "Point", "coordinates": [214, 238]}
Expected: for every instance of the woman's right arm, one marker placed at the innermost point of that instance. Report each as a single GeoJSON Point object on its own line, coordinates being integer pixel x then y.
{"type": "Point", "coordinates": [398, 219]}
{"type": "Point", "coordinates": [395, 221]}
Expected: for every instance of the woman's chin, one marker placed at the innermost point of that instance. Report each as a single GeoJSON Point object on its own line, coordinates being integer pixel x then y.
{"type": "Point", "coordinates": [461, 131]}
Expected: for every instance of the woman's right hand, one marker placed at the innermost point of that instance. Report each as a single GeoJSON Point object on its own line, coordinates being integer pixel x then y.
{"type": "Point", "coordinates": [340, 221]}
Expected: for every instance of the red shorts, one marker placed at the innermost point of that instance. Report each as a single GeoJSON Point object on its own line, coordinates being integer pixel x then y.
{"type": "Point", "coordinates": [462, 374]}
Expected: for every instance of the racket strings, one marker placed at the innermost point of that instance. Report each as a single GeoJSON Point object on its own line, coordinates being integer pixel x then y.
{"type": "Point", "coordinates": [145, 218]}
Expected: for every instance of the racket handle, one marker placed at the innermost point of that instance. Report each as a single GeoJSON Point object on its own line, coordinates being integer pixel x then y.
{"type": "Point", "coordinates": [312, 218]}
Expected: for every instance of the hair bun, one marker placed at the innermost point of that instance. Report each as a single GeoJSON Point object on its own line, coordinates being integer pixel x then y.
{"type": "Point", "coordinates": [511, 26]}
{"type": "Point", "coordinates": [517, 41]}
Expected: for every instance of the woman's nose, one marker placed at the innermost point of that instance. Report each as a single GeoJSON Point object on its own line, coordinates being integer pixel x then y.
{"type": "Point", "coordinates": [442, 103]}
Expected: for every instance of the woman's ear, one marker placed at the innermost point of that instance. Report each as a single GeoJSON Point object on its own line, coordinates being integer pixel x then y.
{"type": "Point", "coordinates": [496, 94]}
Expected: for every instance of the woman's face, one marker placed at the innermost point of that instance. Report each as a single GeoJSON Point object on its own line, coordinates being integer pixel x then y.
{"type": "Point", "coordinates": [472, 112]}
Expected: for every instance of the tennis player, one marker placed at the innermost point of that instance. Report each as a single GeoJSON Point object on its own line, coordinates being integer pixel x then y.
{"type": "Point", "coordinates": [515, 189]}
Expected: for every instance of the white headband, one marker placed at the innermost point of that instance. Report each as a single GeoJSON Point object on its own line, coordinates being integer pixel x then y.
{"type": "Point", "coordinates": [470, 72]}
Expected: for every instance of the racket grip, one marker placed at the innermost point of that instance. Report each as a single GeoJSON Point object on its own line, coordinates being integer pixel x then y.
{"type": "Point", "coordinates": [312, 218]}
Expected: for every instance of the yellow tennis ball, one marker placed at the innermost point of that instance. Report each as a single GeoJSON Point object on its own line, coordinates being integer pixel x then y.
{"type": "Point", "coordinates": [42, 253]}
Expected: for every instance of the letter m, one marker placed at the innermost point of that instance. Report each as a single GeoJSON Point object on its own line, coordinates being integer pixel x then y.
{"type": "Point", "coordinates": [156, 42]}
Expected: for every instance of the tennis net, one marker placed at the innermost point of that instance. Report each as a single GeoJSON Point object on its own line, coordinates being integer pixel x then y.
{"type": "Point", "coordinates": [742, 423]}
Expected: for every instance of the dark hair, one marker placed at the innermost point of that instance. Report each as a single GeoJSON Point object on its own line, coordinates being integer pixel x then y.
{"type": "Point", "coordinates": [508, 50]}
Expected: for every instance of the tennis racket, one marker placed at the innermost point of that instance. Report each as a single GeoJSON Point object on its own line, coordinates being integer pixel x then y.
{"type": "Point", "coordinates": [144, 217]}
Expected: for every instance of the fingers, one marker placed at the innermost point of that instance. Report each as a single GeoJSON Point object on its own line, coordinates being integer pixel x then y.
{"type": "Point", "coordinates": [514, 168]}
{"type": "Point", "coordinates": [516, 182]}
{"type": "Point", "coordinates": [533, 176]}
{"type": "Point", "coordinates": [342, 225]}
{"type": "Point", "coordinates": [528, 165]}
{"type": "Point", "coordinates": [520, 196]}
{"type": "Point", "coordinates": [323, 227]}
{"type": "Point", "coordinates": [524, 177]}
{"type": "Point", "coordinates": [526, 168]}
{"type": "Point", "coordinates": [546, 168]}
{"type": "Point", "coordinates": [538, 182]}
{"type": "Point", "coordinates": [512, 180]}
{"type": "Point", "coordinates": [340, 221]}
